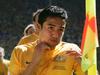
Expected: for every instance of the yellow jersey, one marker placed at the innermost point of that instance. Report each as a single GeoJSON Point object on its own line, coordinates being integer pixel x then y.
{"type": "Point", "coordinates": [29, 38]}
{"type": "Point", "coordinates": [4, 67]}
{"type": "Point", "coordinates": [54, 62]}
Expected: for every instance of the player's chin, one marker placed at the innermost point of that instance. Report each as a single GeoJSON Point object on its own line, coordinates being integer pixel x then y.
{"type": "Point", "coordinates": [54, 44]}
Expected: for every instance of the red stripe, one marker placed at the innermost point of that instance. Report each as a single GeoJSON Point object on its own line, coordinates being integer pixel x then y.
{"type": "Point", "coordinates": [88, 22]}
{"type": "Point", "coordinates": [84, 32]}
{"type": "Point", "coordinates": [92, 24]}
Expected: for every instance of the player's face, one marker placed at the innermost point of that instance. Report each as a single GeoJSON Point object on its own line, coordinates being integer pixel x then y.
{"type": "Point", "coordinates": [52, 31]}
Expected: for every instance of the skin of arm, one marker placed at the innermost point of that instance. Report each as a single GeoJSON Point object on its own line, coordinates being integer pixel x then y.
{"type": "Point", "coordinates": [33, 66]}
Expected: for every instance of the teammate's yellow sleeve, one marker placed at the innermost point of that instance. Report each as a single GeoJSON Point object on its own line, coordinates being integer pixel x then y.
{"type": "Point", "coordinates": [27, 39]}
{"type": "Point", "coordinates": [14, 66]}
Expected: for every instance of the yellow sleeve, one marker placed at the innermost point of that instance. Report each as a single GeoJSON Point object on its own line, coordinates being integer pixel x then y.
{"type": "Point", "coordinates": [22, 41]}
{"type": "Point", "coordinates": [27, 39]}
{"type": "Point", "coordinates": [77, 67]}
{"type": "Point", "coordinates": [6, 61]}
{"type": "Point", "coordinates": [15, 65]}
{"type": "Point", "coordinates": [5, 69]}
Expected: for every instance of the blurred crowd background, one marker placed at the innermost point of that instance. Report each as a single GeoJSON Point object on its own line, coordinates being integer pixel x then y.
{"type": "Point", "coordinates": [15, 15]}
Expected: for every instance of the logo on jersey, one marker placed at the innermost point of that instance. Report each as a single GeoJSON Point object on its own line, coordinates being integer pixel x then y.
{"type": "Point", "coordinates": [60, 58]}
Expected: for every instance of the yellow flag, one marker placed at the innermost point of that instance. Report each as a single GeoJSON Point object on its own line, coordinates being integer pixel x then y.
{"type": "Point", "coordinates": [90, 39]}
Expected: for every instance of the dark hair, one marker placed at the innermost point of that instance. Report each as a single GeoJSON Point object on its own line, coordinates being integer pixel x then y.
{"type": "Point", "coordinates": [36, 14]}
{"type": "Point", "coordinates": [52, 11]}
{"type": "Point", "coordinates": [28, 27]}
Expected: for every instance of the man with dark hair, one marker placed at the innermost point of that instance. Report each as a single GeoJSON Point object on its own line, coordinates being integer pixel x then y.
{"type": "Point", "coordinates": [32, 30]}
{"type": "Point", "coordinates": [29, 35]}
{"type": "Point", "coordinates": [35, 20]}
{"type": "Point", "coordinates": [48, 55]}
{"type": "Point", "coordinates": [29, 30]}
